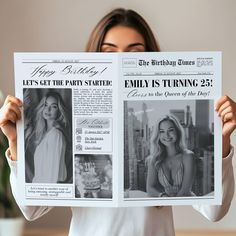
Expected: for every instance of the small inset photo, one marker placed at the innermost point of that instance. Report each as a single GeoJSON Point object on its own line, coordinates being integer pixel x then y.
{"type": "Point", "coordinates": [93, 176]}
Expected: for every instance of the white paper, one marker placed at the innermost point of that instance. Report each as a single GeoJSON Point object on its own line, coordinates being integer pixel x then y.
{"type": "Point", "coordinates": [94, 150]}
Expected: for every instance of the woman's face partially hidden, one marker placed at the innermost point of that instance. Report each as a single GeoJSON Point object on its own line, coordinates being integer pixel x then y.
{"type": "Point", "coordinates": [50, 110]}
{"type": "Point", "coordinates": [123, 39]}
{"type": "Point", "coordinates": [168, 134]}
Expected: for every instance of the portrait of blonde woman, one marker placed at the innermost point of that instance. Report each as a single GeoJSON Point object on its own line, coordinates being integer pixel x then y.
{"type": "Point", "coordinates": [171, 165]}
{"type": "Point", "coordinates": [46, 135]}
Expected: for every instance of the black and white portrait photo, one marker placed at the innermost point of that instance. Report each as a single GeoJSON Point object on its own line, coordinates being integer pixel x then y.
{"type": "Point", "coordinates": [168, 148]}
{"type": "Point", "coordinates": [93, 176]}
{"type": "Point", "coordinates": [48, 139]}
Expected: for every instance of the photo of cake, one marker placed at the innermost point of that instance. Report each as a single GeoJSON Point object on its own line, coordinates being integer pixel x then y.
{"type": "Point", "coordinates": [93, 176]}
{"type": "Point", "coordinates": [90, 178]}
{"type": "Point", "coordinates": [91, 181]}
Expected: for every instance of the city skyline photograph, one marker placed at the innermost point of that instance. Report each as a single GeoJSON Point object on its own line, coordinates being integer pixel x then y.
{"type": "Point", "coordinates": [196, 122]}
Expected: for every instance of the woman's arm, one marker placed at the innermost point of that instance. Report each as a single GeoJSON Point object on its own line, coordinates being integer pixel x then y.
{"type": "Point", "coordinates": [188, 178]}
{"type": "Point", "coordinates": [215, 213]}
{"type": "Point", "coordinates": [9, 114]}
{"type": "Point", "coordinates": [226, 109]}
{"type": "Point", "coordinates": [56, 156]}
{"type": "Point", "coordinates": [30, 212]}
{"type": "Point", "coordinates": [152, 181]}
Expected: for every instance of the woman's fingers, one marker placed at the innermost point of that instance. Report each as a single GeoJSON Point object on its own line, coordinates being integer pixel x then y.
{"type": "Point", "coordinates": [226, 109]}
{"type": "Point", "coordinates": [10, 110]}
{"type": "Point", "coordinates": [13, 99]}
{"type": "Point", "coordinates": [225, 105]}
{"type": "Point", "coordinates": [227, 117]}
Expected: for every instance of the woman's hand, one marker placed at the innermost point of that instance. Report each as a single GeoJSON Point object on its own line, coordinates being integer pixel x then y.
{"type": "Point", "coordinates": [226, 109]}
{"type": "Point", "coordinates": [9, 114]}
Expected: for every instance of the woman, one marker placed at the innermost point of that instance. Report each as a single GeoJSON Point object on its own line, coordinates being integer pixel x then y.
{"type": "Point", "coordinates": [49, 140]}
{"type": "Point", "coordinates": [124, 30]}
{"type": "Point", "coordinates": [171, 165]}
{"type": "Point", "coordinates": [45, 141]}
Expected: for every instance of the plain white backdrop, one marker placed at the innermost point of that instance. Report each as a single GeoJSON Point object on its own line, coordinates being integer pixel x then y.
{"type": "Point", "coordinates": [64, 26]}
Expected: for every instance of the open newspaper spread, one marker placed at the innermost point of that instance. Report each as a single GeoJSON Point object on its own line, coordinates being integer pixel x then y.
{"type": "Point", "coordinates": [119, 129]}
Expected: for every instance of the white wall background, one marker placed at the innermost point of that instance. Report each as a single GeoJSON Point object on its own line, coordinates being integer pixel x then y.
{"type": "Point", "coordinates": [64, 26]}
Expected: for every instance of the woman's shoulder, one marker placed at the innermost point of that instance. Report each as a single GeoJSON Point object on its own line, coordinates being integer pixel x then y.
{"type": "Point", "coordinates": [188, 153]}
{"type": "Point", "coordinates": [56, 132]}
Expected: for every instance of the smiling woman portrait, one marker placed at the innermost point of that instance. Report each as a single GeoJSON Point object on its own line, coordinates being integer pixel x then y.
{"type": "Point", "coordinates": [171, 168]}
{"type": "Point", "coordinates": [46, 137]}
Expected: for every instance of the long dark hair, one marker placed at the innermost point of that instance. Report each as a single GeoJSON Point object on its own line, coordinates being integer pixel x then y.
{"type": "Point", "coordinates": [121, 16]}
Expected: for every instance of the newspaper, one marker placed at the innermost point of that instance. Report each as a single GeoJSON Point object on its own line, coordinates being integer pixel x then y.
{"type": "Point", "coordinates": [119, 129]}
